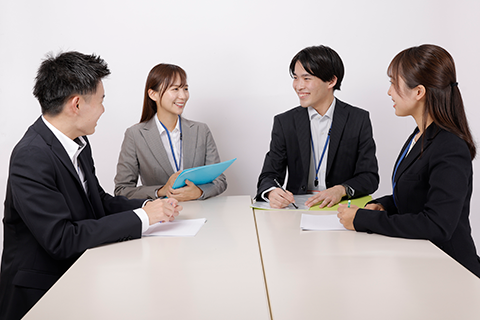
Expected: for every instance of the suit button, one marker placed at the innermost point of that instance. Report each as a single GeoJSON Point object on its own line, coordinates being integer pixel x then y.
{"type": "Point", "coordinates": [304, 188]}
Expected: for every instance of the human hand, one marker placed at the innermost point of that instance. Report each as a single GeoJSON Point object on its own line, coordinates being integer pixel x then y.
{"type": "Point", "coordinates": [162, 210]}
{"type": "Point", "coordinates": [375, 206]}
{"type": "Point", "coordinates": [330, 197]}
{"type": "Point", "coordinates": [186, 193]}
{"type": "Point", "coordinates": [279, 198]}
{"type": "Point", "coordinates": [347, 215]}
{"type": "Point", "coordinates": [162, 192]}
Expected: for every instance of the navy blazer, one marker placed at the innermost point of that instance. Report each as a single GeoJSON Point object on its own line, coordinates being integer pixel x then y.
{"type": "Point", "coordinates": [432, 197]}
{"type": "Point", "coordinates": [50, 220]}
{"type": "Point", "coordinates": [351, 153]}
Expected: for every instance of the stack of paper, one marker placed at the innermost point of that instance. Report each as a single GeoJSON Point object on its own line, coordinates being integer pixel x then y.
{"type": "Point", "coordinates": [322, 222]}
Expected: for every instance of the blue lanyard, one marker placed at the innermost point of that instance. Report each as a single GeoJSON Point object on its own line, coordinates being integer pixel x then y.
{"type": "Point", "coordinates": [317, 168]}
{"type": "Point", "coordinates": [396, 167]}
{"type": "Point", "coordinates": [171, 145]}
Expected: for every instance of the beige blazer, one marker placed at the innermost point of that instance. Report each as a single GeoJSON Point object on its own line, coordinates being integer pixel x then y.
{"type": "Point", "coordinates": [143, 155]}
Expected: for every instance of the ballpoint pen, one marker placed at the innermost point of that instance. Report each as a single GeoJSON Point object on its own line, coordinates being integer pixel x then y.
{"type": "Point", "coordinates": [349, 202]}
{"type": "Point", "coordinates": [280, 186]}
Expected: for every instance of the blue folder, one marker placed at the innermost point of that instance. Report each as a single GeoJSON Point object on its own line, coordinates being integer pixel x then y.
{"type": "Point", "coordinates": [203, 174]}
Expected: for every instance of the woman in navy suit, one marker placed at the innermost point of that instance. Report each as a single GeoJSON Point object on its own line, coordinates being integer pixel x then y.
{"type": "Point", "coordinates": [432, 177]}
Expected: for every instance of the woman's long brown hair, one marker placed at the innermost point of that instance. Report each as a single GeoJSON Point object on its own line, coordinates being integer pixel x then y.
{"type": "Point", "coordinates": [434, 68]}
{"type": "Point", "coordinates": [160, 78]}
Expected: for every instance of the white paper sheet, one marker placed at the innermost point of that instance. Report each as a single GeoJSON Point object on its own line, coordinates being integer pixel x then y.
{"type": "Point", "coordinates": [177, 228]}
{"type": "Point", "coordinates": [320, 222]}
{"type": "Point", "coordinates": [300, 200]}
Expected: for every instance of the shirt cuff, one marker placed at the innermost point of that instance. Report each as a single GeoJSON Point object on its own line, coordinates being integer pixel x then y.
{"type": "Point", "coordinates": [265, 192]}
{"type": "Point", "coordinates": [142, 215]}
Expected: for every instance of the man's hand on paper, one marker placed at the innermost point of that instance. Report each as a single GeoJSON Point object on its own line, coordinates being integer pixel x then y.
{"type": "Point", "coordinates": [162, 210]}
{"type": "Point", "coordinates": [347, 215]}
{"type": "Point", "coordinates": [279, 198]}
{"type": "Point", "coordinates": [330, 197]}
{"type": "Point", "coordinates": [186, 193]}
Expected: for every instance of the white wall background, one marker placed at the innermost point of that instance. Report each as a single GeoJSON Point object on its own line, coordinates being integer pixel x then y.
{"type": "Point", "coordinates": [236, 54]}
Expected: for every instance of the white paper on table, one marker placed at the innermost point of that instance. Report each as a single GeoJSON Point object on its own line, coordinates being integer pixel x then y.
{"type": "Point", "coordinates": [322, 222]}
{"type": "Point", "coordinates": [300, 200]}
{"type": "Point", "coordinates": [176, 228]}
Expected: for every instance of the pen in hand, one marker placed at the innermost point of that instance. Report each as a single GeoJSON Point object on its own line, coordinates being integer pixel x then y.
{"type": "Point", "coordinates": [280, 186]}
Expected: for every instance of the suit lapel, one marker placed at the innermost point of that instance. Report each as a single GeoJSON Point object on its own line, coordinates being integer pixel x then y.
{"type": "Point", "coordinates": [416, 151]}
{"type": "Point", "coordinates": [302, 128]}
{"type": "Point", "coordinates": [154, 142]}
{"type": "Point", "coordinates": [93, 195]}
{"type": "Point", "coordinates": [189, 142]}
{"type": "Point", "coordinates": [57, 149]}
{"type": "Point", "coordinates": [340, 116]}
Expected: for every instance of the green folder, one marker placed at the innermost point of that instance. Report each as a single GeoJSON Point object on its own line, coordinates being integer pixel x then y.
{"type": "Point", "coordinates": [359, 202]}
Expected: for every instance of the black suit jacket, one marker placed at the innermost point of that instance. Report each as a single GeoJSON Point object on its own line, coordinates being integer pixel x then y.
{"type": "Point", "coordinates": [50, 221]}
{"type": "Point", "coordinates": [432, 195]}
{"type": "Point", "coordinates": [351, 153]}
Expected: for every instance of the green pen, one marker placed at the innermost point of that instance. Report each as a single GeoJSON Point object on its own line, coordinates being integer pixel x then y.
{"type": "Point", "coordinates": [349, 202]}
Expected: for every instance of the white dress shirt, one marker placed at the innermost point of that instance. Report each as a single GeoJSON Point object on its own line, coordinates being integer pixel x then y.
{"type": "Point", "coordinates": [175, 135]}
{"type": "Point", "coordinates": [319, 128]}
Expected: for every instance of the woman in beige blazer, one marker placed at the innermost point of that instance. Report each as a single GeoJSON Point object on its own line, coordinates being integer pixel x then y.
{"type": "Point", "coordinates": [164, 143]}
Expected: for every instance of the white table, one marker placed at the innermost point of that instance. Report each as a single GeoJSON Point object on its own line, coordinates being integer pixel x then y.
{"type": "Point", "coordinates": [218, 274]}
{"type": "Point", "coordinates": [215, 275]}
{"type": "Point", "coordinates": [351, 275]}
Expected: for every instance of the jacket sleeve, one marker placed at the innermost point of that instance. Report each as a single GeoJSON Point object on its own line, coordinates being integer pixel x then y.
{"type": "Point", "coordinates": [445, 179]}
{"type": "Point", "coordinates": [275, 163]}
{"type": "Point", "coordinates": [128, 170]}
{"type": "Point", "coordinates": [365, 177]}
{"type": "Point", "coordinates": [219, 185]}
{"type": "Point", "coordinates": [56, 211]}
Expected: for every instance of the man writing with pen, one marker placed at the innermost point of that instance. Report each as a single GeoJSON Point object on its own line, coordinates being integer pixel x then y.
{"type": "Point", "coordinates": [325, 144]}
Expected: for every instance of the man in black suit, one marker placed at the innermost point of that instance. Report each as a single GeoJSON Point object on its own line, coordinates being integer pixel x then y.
{"type": "Point", "coordinates": [325, 144]}
{"type": "Point", "coordinates": [55, 208]}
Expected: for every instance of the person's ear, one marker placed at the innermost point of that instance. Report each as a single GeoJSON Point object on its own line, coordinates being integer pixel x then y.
{"type": "Point", "coordinates": [332, 83]}
{"type": "Point", "coordinates": [73, 105]}
{"type": "Point", "coordinates": [420, 92]}
{"type": "Point", "coordinates": [154, 95]}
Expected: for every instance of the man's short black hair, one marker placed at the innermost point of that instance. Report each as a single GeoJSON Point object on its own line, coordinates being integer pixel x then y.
{"type": "Point", "coordinates": [69, 73]}
{"type": "Point", "coordinates": [321, 62]}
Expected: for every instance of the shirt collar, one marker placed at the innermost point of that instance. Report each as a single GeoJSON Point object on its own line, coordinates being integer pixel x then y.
{"type": "Point", "coordinates": [70, 146]}
{"type": "Point", "coordinates": [329, 114]}
{"type": "Point", "coordinates": [161, 129]}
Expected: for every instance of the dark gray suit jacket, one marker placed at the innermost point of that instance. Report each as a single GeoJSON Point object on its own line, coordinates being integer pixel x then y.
{"type": "Point", "coordinates": [50, 220]}
{"type": "Point", "coordinates": [351, 153]}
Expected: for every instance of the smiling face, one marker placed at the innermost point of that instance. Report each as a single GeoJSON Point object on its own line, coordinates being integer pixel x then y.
{"type": "Point", "coordinates": [311, 90]}
{"type": "Point", "coordinates": [173, 100]}
{"type": "Point", "coordinates": [90, 108]}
